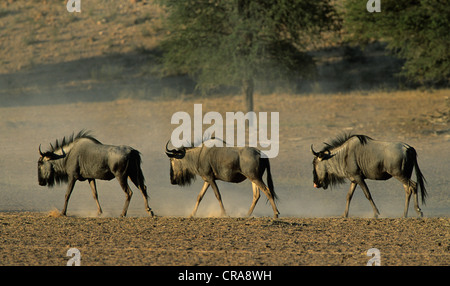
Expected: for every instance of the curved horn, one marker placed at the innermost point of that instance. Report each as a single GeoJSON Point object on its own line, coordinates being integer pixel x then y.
{"type": "Point", "coordinates": [314, 152]}
{"type": "Point", "coordinates": [40, 152]}
{"type": "Point", "coordinates": [167, 149]}
{"type": "Point", "coordinates": [175, 153]}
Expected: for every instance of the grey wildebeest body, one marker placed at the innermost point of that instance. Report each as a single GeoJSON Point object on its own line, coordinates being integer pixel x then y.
{"type": "Point", "coordinates": [82, 157]}
{"type": "Point", "coordinates": [229, 164]}
{"type": "Point", "coordinates": [359, 157]}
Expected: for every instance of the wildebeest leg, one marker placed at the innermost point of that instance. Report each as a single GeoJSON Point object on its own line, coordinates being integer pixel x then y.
{"type": "Point", "coordinates": [70, 186]}
{"type": "Point", "coordinates": [219, 198]}
{"type": "Point", "coordinates": [407, 197]}
{"type": "Point", "coordinates": [143, 190]}
{"type": "Point", "coordinates": [255, 198]}
{"type": "Point", "coordinates": [369, 197]}
{"type": "Point", "coordinates": [260, 184]}
{"type": "Point", "coordinates": [410, 188]}
{"type": "Point", "coordinates": [199, 198]}
{"type": "Point", "coordinates": [94, 193]}
{"type": "Point", "coordinates": [413, 188]}
{"type": "Point", "coordinates": [349, 197]}
{"type": "Point", "coordinates": [128, 193]}
{"type": "Point", "coordinates": [145, 195]}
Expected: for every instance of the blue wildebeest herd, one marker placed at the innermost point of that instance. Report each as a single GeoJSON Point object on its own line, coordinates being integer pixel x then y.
{"type": "Point", "coordinates": [354, 157]}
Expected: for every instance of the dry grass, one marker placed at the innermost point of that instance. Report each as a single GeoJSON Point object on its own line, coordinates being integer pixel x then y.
{"type": "Point", "coordinates": [43, 32]}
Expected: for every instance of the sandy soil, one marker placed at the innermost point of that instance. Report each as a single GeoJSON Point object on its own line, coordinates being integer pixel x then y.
{"type": "Point", "coordinates": [36, 239]}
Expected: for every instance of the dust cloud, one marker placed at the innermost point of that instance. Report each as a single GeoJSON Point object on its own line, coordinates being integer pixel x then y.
{"type": "Point", "coordinates": [145, 125]}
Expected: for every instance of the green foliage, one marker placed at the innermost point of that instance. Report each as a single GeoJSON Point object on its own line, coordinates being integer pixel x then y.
{"type": "Point", "coordinates": [415, 30]}
{"type": "Point", "coordinates": [230, 42]}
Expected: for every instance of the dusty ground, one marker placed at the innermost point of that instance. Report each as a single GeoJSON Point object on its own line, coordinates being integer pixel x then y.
{"type": "Point", "coordinates": [60, 73]}
{"type": "Point", "coordinates": [36, 239]}
{"type": "Point", "coordinates": [308, 232]}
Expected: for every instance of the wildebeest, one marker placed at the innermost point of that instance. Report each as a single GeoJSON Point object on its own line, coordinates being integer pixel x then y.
{"type": "Point", "coordinates": [229, 164]}
{"type": "Point", "coordinates": [82, 157]}
{"type": "Point", "coordinates": [359, 157]}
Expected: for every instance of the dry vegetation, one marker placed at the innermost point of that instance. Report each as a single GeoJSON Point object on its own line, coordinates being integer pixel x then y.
{"type": "Point", "coordinates": [43, 33]}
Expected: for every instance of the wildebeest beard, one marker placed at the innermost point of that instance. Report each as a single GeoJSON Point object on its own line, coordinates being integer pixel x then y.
{"type": "Point", "coordinates": [333, 179]}
{"type": "Point", "coordinates": [49, 181]}
{"type": "Point", "coordinates": [330, 179]}
{"type": "Point", "coordinates": [182, 177]}
{"type": "Point", "coordinates": [52, 177]}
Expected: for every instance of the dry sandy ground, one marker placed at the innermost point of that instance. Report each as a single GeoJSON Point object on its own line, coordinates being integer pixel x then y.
{"type": "Point", "coordinates": [37, 239]}
{"type": "Point", "coordinates": [309, 231]}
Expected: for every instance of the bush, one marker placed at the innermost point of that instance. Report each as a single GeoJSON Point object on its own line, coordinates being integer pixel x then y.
{"type": "Point", "coordinates": [415, 30]}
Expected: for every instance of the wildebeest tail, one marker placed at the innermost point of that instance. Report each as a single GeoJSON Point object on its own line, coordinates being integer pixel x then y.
{"type": "Point", "coordinates": [134, 169]}
{"type": "Point", "coordinates": [269, 178]}
{"type": "Point", "coordinates": [419, 176]}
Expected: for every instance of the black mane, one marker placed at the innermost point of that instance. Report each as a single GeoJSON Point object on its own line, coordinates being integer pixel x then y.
{"type": "Point", "coordinates": [66, 141]}
{"type": "Point", "coordinates": [341, 139]}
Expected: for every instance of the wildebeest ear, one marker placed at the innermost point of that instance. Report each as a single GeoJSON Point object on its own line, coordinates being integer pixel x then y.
{"type": "Point", "coordinates": [324, 155]}
{"type": "Point", "coordinates": [45, 156]}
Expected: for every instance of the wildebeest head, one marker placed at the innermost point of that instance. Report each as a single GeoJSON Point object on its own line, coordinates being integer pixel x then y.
{"type": "Point", "coordinates": [180, 173]}
{"type": "Point", "coordinates": [46, 171]}
{"type": "Point", "coordinates": [320, 174]}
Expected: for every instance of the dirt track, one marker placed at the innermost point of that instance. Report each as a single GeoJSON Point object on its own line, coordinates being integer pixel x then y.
{"type": "Point", "coordinates": [37, 239]}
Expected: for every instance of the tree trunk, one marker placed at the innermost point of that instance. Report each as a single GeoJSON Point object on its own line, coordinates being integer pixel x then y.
{"type": "Point", "coordinates": [247, 89]}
